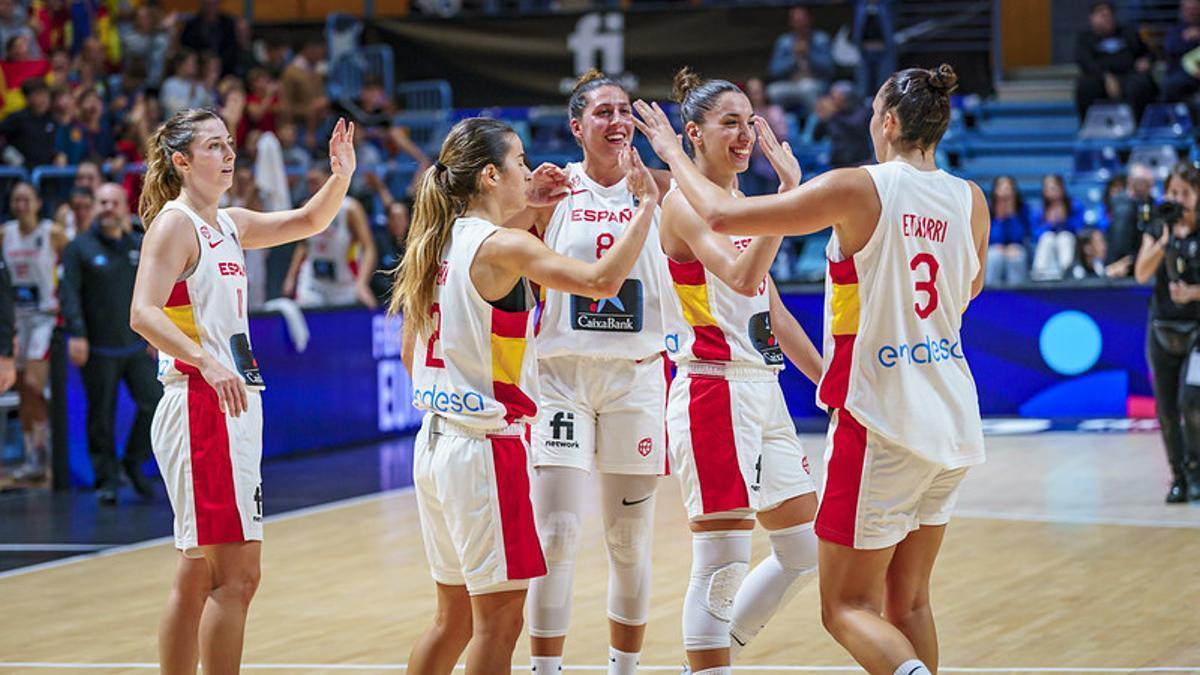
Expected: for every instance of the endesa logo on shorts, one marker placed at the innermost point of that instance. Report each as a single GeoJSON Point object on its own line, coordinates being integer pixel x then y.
{"type": "Point", "coordinates": [444, 401]}
{"type": "Point", "coordinates": [930, 351]}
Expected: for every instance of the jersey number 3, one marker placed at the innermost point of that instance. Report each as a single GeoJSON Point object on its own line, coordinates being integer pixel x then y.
{"type": "Point", "coordinates": [927, 285]}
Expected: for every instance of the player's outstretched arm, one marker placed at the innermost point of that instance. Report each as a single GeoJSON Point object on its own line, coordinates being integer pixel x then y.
{"type": "Point", "coordinates": [796, 345]}
{"type": "Point", "coordinates": [264, 230]}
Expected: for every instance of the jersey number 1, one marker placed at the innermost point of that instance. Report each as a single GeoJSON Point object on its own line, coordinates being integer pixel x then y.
{"type": "Point", "coordinates": [928, 285]}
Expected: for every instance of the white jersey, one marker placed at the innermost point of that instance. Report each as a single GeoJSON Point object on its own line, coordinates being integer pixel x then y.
{"type": "Point", "coordinates": [209, 306]}
{"type": "Point", "coordinates": [893, 353]}
{"type": "Point", "coordinates": [478, 368]}
{"type": "Point", "coordinates": [584, 226]}
{"type": "Point", "coordinates": [328, 260]}
{"type": "Point", "coordinates": [31, 266]}
{"type": "Point", "coordinates": [712, 322]}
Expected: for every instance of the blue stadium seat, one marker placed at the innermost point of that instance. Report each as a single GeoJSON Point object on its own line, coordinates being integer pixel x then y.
{"type": "Point", "coordinates": [426, 128]}
{"type": "Point", "coordinates": [425, 95]}
{"type": "Point", "coordinates": [1108, 121]}
{"type": "Point", "coordinates": [1165, 120]}
{"type": "Point", "coordinates": [1097, 162]}
{"type": "Point", "coordinates": [1160, 158]}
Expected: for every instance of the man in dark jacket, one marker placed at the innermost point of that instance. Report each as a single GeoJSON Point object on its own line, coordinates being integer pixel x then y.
{"type": "Point", "coordinates": [1183, 38]}
{"type": "Point", "coordinates": [31, 130]}
{"type": "Point", "coordinates": [1114, 63]}
{"type": "Point", "coordinates": [99, 268]}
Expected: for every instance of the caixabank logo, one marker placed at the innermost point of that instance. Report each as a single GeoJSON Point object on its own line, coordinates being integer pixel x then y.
{"type": "Point", "coordinates": [619, 314]}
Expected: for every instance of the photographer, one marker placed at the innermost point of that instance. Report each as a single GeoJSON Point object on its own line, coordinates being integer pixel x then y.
{"type": "Point", "coordinates": [1170, 254]}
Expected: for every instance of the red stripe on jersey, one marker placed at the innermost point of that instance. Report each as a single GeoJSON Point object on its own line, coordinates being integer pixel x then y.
{"type": "Point", "coordinates": [516, 403]}
{"type": "Point", "coordinates": [686, 273]}
{"type": "Point", "coordinates": [509, 324]}
{"type": "Point", "coordinates": [714, 449]}
{"type": "Point", "coordinates": [522, 549]}
{"type": "Point", "coordinates": [838, 516]}
{"type": "Point", "coordinates": [710, 344]}
{"type": "Point", "coordinates": [218, 520]}
{"type": "Point", "coordinates": [836, 382]}
{"type": "Point", "coordinates": [179, 295]}
{"type": "Point", "coordinates": [843, 271]}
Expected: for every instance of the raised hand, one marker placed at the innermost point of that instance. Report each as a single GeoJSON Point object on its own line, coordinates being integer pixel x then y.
{"type": "Point", "coordinates": [637, 176]}
{"type": "Point", "coordinates": [658, 130]}
{"type": "Point", "coordinates": [342, 160]}
{"type": "Point", "coordinates": [779, 155]}
{"type": "Point", "coordinates": [547, 186]}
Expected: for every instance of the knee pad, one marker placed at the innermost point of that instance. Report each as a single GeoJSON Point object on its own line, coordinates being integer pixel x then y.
{"type": "Point", "coordinates": [628, 541]}
{"type": "Point", "coordinates": [795, 548]}
{"type": "Point", "coordinates": [719, 565]}
{"type": "Point", "coordinates": [560, 537]}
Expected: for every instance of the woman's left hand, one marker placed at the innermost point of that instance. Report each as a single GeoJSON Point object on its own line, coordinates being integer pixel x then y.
{"type": "Point", "coordinates": [1183, 293]}
{"type": "Point", "coordinates": [342, 161]}
{"type": "Point", "coordinates": [780, 155]}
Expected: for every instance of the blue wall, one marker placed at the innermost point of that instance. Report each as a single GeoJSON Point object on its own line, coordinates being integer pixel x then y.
{"type": "Point", "coordinates": [1040, 352]}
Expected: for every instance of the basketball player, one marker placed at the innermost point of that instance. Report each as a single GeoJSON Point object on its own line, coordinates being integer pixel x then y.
{"type": "Point", "coordinates": [604, 390]}
{"type": "Point", "coordinates": [468, 329]}
{"type": "Point", "coordinates": [731, 435]}
{"type": "Point", "coordinates": [31, 247]}
{"type": "Point", "coordinates": [906, 258]}
{"type": "Point", "coordinates": [320, 273]}
{"type": "Point", "coordinates": [189, 302]}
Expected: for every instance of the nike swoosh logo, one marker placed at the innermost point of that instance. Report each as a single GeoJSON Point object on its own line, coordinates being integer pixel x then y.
{"type": "Point", "coordinates": [214, 244]}
{"type": "Point", "coordinates": [578, 192]}
{"type": "Point", "coordinates": [626, 502]}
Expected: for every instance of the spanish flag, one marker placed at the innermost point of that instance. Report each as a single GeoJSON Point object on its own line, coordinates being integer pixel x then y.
{"type": "Point", "coordinates": [12, 74]}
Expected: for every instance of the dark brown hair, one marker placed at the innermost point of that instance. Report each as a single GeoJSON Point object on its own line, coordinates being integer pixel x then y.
{"type": "Point", "coordinates": [920, 99]}
{"type": "Point", "coordinates": [697, 96]}
{"type": "Point", "coordinates": [588, 82]}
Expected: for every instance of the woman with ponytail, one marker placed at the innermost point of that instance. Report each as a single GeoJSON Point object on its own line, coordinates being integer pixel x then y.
{"type": "Point", "coordinates": [463, 288]}
{"type": "Point", "coordinates": [189, 301]}
{"type": "Point", "coordinates": [603, 388]}
{"type": "Point", "coordinates": [733, 443]}
{"type": "Point", "coordinates": [906, 257]}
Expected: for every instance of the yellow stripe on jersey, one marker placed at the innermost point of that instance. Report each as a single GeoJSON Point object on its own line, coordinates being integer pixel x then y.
{"type": "Point", "coordinates": [845, 307]}
{"type": "Point", "coordinates": [507, 356]}
{"type": "Point", "coordinates": [694, 300]}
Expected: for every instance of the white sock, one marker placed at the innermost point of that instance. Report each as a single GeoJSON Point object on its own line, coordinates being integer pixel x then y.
{"type": "Point", "coordinates": [622, 663]}
{"type": "Point", "coordinates": [719, 670]}
{"type": "Point", "coordinates": [546, 664]}
{"type": "Point", "coordinates": [912, 667]}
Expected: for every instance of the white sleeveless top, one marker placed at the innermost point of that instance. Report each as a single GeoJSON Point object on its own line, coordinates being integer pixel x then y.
{"type": "Point", "coordinates": [31, 265]}
{"type": "Point", "coordinates": [328, 260]}
{"type": "Point", "coordinates": [709, 321]}
{"type": "Point", "coordinates": [209, 306]}
{"type": "Point", "coordinates": [584, 226]}
{"type": "Point", "coordinates": [893, 353]}
{"type": "Point", "coordinates": [478, 368]}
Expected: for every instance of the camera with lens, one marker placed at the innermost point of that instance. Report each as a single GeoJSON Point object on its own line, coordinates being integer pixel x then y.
{"type": "Point", "coordinates": [1154, 217]}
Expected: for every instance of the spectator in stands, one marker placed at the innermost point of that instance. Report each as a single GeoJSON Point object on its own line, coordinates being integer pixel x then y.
{"type": "Point", "coordinates": [247, 60]}
{"type": "Point", "coordinates": [303, 100]}
{"type": "Point", "coordinates": [761, 178]}
{"type": "Point", "coordinates": [873, 34]}
{"type": "Point", "coordinates": [146, 41]}
{"type": "Point", "coordinates": [1010, 236]}
{"type": "Point", "coordinates": [88, 136]}
{"type": "Point", "coordinates": [77, 212]}
{"type": "Point", "coordinates": [49, 22]}
{"type": "Point", "coordinates": [99, 268]}
{"type": "Point", "coordinates": [801, 64]}
{"type": "Point", "coordinates": [210, 77]}
{"type": "Point", "coordinates": [1054, 229]}
{"type": "Point", "coordinates": [14, 20]}
{"type": "Point", "coordinates": [212, 32]}
{"type": "Point", "coordinates": [184, 89]}
{"type": "Point", "coordinates": [31, 130]}
{"type": "Point", "coordinates": [1124, 212]}
{"type": "Point", "coordinates": [262, 100]}
{"type": "Point", "coordinates": [1115, 187]}
{"type": "Point", "coordinates": [1114, 63]}
{"type": "Point", "coordinates": [390, 241]}
{"type": "Point", "coordinates": [845, 119]}
{"type": "Point", "coordinates": [1180, 83]}
{"type": "Point", "coordinates": [1091, 251]}
{"type": "Point", "coordinates": [60, 76]}
{"type": "Point", "coordinates": [18, 66]}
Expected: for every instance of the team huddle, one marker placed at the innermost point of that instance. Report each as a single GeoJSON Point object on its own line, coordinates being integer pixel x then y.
{"type": "Point", "coordinates": [545, 312]}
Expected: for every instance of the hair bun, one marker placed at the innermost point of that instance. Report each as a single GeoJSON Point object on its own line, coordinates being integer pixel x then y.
{"type": "Point", "coordinates": [943, 79]}
{"type": "Point", "coordinates": [686, 80]}
{"type": "Point", "coordinates": [591, 75]}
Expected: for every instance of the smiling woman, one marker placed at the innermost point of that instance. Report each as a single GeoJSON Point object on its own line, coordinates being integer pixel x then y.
{"type": "Point", "coordinates": [189, 302]}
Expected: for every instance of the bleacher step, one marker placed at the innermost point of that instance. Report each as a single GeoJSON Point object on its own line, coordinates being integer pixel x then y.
{"type": "Point", "coordinates": [1034, 90]}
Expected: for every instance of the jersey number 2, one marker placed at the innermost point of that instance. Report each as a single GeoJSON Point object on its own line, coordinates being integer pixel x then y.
{"type": "Point", "coordinates": [928, 285]}
{"type": "Point", "coordinates": [432, 361]}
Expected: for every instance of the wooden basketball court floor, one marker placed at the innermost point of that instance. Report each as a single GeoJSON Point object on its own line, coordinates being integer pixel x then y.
{"type": "Point", "coordinates": [1062, 558]}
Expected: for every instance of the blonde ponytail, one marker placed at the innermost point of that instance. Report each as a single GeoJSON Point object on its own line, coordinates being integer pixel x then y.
{"type": "Point", "coordinates": [445, 191]}
{"type": "Point", "coordinates": [162, 182]}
